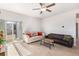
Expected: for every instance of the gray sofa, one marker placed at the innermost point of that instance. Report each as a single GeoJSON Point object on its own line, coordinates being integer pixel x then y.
{"type": "Point", "coordinates": [66, 40]}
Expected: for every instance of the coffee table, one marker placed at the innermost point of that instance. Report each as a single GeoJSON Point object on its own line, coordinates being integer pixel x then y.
{"type": "Point", "coordinates": [47, 42]}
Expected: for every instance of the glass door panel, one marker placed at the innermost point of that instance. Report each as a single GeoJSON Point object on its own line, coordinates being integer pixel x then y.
{"type": "Point", "coordinates": [9, 32]}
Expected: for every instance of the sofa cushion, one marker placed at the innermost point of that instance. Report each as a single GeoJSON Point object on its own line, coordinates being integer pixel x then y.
{"type": "Point", "coordinates": [55, 36]}
{"type": "Point", "coordinates": [32, 34]}
{"type": "Point", "coordinates": [29, 34]}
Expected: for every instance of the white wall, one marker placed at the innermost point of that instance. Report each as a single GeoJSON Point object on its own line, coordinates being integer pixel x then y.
{"type": "Point", "coordinates": [54, 24]}
{"type": "Point", "coordinates": [28, 23]}
{"type": "Point", "coordinates": [49, 25]}
{"type": "Point", "coordinates": [31, 24]}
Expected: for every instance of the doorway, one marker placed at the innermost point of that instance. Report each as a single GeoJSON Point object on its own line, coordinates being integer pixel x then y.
{"type": "Point", "coordinates": [77, 28]}
{"type": "Point", "coordinates": [12, 28]}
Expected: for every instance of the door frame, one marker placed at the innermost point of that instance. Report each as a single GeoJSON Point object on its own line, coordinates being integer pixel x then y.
{"type": "Point", "coordinates": [13, 28]}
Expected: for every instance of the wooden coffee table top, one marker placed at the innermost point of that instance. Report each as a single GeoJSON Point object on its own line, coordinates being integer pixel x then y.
{"type": "Point", "coordinates": [48, 40]}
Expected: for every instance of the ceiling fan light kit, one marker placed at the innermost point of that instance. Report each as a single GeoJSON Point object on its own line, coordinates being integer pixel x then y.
{"type": "Point", "coordinates": [44, 7]}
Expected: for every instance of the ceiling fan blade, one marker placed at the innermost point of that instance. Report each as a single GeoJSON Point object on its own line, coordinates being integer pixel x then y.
{"type": "Point", "coordinates": [41, 4]}
{"type": "Point", "coordinates": [48, 10]}
{"type": "Point", "coordinates": [41, 12]}
{"type": "Point", "coordinates": [36, 9]}
{"type": "Point", "coordinates": [50, 5]}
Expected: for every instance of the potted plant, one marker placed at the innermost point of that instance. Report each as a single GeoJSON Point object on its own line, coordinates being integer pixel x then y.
{"type": "Point", "coordinates": [2, 41]}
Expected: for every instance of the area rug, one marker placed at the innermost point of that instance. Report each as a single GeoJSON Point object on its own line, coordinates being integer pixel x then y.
{"type": "Point", "coordinates": [11, 50]}
{"type": "Point", "coordinates": [21, 49]}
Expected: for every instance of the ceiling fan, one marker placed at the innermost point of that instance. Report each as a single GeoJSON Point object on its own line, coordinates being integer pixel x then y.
{"type": "Point", "coordinates": [44, 7]}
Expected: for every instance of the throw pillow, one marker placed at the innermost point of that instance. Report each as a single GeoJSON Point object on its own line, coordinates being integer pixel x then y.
{"type": "Point", "coordinates": [29, 34]}
{"type": "Point", "coordinates": [67, 37]}
{"type": "Point", "coordinates": [34, 34]}
{"type": "Point", "coordinates": [40, 34]}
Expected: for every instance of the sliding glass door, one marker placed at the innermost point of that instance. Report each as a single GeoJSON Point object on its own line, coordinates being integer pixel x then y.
{"type": "Point", "coordinates": [13, 31]}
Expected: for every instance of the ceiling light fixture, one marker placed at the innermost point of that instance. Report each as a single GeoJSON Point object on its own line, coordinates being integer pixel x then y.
{"type": "Point", "coordinates": [43, 9]}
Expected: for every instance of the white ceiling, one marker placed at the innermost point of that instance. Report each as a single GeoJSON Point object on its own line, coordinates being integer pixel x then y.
{"type": "Point", "coordinates": [26, 8]}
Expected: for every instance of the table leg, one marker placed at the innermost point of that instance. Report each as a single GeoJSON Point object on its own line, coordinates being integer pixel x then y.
{"type": "Point", "coordinates": [49, 46]}
{"type": "Point", "coordinates": [40, 42]}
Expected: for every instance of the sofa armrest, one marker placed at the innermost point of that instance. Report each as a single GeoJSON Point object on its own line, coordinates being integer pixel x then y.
{"type": "Point", "coordinates": [46, 36]}
{"type": "Point", "coordinates": [25, 38]}
{"type": "Point", "coordinates": [71, 42]}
